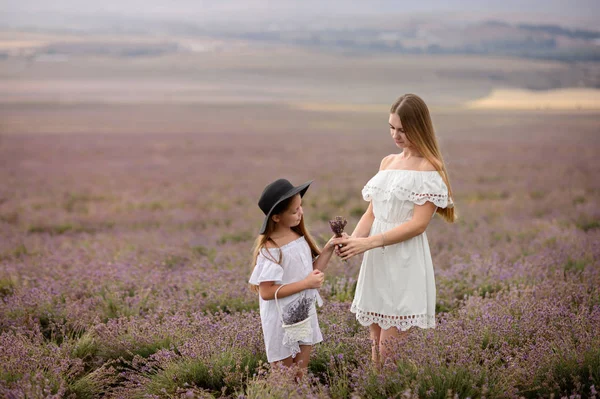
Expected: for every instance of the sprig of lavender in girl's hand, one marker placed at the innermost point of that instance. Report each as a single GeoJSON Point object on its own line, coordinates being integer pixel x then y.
{"type": "Point", "coordinates": [298, 311]}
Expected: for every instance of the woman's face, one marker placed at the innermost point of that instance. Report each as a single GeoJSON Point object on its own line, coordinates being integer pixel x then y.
{"type": "Point", "coordinates": [397, 132]}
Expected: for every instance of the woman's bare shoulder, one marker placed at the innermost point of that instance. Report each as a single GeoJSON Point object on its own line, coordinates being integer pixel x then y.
{"type": "Point", "coordinates": [386, 161]}
{"type": "Point", "coordinates": [426, 166]}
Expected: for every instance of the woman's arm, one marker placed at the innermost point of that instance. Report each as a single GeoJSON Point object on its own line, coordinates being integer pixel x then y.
{"type": "Point", "coordinates": [357, 245]}
{"type": "Point", "coordinates": [267, 289]}
{"type": "Point", "coordinates": [363, 228]}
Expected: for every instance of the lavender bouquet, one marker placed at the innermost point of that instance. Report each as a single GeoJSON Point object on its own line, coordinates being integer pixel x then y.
{"type": "Point", "coordinates": [337, 225]}
{"type": "Point", "coordinates": [297, 311]}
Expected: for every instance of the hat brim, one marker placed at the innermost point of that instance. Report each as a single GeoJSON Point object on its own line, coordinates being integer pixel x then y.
{"type": "Point", "coordinates": [301, 189]}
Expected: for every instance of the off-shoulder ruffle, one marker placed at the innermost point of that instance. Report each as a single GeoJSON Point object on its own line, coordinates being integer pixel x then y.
{"type": "Point", "coordinates": [409, 185]}
{"type": "Point", "coordinates": [266, 270]}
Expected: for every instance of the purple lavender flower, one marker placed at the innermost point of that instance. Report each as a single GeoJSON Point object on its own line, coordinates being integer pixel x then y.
{"type": "Point", "coordinates": [337, 225]}
{"type": "Point", "coordinates": [297, 311]}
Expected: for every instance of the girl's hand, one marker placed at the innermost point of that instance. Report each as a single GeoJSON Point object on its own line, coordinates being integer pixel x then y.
{"type": "Point", "coordinates": [315, 279]}
{"type": "Point", "coordinates": [351, 246]}
{"type": "Point", "coordinates": [329, 244]}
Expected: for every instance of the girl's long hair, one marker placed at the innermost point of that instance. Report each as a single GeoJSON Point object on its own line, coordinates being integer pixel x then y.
{"type": "Point", "coordinates": [416, 122]}
{"type": "Point", "coordinates": [260, 244]}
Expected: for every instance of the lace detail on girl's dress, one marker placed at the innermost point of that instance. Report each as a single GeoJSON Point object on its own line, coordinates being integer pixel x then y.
{"type": "Point", "coordinates": [414, 186]}
{"type": "Point", "coordinates": [294, 348]}
{"type": "Point", "coordinates": [385, 321]}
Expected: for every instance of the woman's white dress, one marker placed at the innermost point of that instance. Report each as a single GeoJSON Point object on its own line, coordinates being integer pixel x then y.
{"type": "Point", "coordinates": [297, 263]}
{"type": "Point", "coordinates": [396, 285]}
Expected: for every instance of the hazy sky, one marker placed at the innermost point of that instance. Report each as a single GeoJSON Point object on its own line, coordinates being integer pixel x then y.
{"type": "Point", "coordinates": [572, 8]}
{"type": "Point", "coordinates": [244, 14]}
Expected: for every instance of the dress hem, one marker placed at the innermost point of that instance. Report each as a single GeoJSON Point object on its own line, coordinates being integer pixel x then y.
{"type": "Point", "coordinates": [403, 323]}
{"type": "Point", "coordinates": [293, 354]}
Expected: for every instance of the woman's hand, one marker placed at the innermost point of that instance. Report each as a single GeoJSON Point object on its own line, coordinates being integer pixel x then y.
{"type": "Point", "coordinates": [338, 246]}
{"type": "Point", "coordinates": [352, 246]}
{"type": "Point", "coordinates": [314, 279]}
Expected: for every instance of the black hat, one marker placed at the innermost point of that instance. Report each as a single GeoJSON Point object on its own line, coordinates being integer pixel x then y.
{"type": "Point", "coordinates": [276, 192]}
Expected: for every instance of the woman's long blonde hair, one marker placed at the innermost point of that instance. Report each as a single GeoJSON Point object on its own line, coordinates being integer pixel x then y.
{"type": "Point", "coordinates": [416, 122]}
{"type": "Point", "coordinates": [261, 241]}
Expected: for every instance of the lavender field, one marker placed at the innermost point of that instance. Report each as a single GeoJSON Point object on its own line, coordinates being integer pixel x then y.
{"type": "Point", "coordinates": [124, 261]}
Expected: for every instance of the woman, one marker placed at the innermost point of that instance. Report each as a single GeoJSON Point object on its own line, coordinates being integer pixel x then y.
{"type": "Point", "coordinates": [396, 287]}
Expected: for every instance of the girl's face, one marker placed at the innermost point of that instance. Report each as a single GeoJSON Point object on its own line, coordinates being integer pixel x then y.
{"type": "Point", "coordinates": [397, 132]}
{"type": "Point", "coordinates": [292, 216]}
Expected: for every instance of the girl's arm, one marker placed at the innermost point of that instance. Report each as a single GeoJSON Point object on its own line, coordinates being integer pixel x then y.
{"type": "Point", "coordinates": [267, 289]}
{"type": "Point", "coordinates": [321, 262]}
{"type": "Point", "coordinates": [357, 245]}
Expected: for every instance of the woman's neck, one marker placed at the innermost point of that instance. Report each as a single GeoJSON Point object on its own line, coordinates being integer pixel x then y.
{"type": "Point", "coordinates": [408, 153]}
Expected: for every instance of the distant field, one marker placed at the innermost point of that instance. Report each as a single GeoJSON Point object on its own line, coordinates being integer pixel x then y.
{"type": "Point", "coordinates": [207, 84]}
{"type": "Point", "coordinates": [72, 70]}
{"type": "Point", "coordinates": [519, 99]}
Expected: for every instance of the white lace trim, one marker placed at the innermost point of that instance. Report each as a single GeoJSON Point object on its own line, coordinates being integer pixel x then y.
{"type": "Point", "coordinates": [386, 321]}
{"type": "Point", "coordinates": [439, 200]}
{"type": "Point", "coordinates": [295, 348]}
{"type": "Point", "coordinates": [417, 187]}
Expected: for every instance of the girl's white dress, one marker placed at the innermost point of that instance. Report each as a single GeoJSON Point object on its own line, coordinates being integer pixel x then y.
{"type": "Point", "coordinates": [396, 285]}
{"type": "Point", "coordinates": [297, 263]}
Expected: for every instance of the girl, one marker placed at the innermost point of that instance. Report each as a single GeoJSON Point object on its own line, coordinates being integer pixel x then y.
{"type": "Point", "coordinates": [396, 287]}
{"type": "Point", "coordinates": [287, 260]}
